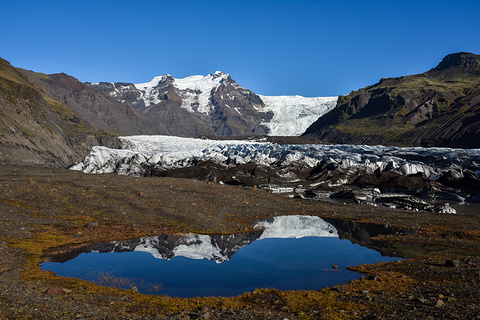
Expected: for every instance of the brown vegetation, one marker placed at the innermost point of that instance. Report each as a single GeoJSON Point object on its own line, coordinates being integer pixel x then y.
{"type": "Point", "coordinates": [44, 208]}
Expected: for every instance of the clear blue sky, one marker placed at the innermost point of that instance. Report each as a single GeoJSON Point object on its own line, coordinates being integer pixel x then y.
{"type": "Point", "coordinates": [304, 47]}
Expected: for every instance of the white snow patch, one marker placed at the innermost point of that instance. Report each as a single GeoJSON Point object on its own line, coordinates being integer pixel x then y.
{"type": "Point", "coordinates": [149, 92]}
{"type": "Point", "coordinates": [194, 90]}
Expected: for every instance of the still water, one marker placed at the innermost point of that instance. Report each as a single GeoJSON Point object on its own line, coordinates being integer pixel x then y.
{"type": "Point", "coordinates": [287, 253]}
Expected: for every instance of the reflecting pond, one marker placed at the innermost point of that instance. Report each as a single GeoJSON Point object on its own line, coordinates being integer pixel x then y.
{"type": "Point", "coordinates": [287, 253]}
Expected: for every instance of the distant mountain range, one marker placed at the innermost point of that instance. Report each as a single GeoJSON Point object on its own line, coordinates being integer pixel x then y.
{"type": "Point", "coordinates": [55, 119]}
{"type": "Point", "coordinates": [437, 108]}
{"type": "Point", "coordinates": [216, 105]}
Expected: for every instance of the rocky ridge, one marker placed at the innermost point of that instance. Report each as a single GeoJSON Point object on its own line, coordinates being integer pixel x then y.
{"type": "Point", "coordinates": [440, 107]}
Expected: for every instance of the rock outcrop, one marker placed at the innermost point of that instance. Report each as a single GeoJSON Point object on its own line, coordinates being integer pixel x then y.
{"type": "Point", "coordinates": [97, 110]}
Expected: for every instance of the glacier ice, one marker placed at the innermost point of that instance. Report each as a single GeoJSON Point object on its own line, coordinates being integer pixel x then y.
{"type": "Point", "coordinates": [138, 153]}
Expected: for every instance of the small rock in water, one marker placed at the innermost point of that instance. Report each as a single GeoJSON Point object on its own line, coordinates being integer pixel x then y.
{"type": "Point", "coordinates": [11, 274]}
{"type": "Point", "coordinates": [335, 267]}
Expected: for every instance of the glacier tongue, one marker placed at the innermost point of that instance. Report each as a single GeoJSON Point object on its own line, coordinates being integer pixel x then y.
{"type": "Point", "coordinates": [139, 153]}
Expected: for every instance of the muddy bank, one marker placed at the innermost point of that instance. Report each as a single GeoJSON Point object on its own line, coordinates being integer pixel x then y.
{"type": "Point", "coordinates": [45, 208]}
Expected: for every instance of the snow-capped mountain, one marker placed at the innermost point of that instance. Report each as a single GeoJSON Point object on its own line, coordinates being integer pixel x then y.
{"type": "Point", "coordinates": [216, 104]}
{"type": "Point", "coordinates": [222, 248]}
{"type": "Point", "coordinates": [195, 91]}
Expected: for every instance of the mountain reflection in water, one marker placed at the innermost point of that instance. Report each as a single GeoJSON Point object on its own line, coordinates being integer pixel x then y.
{"type": "Point", "coordinates": [287, 252]}
{"type": "Point", "coordinates": [219, 248]}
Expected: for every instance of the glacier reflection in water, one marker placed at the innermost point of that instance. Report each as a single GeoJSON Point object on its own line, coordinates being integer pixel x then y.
{"type": "Point", "coordinates": [287, 253]}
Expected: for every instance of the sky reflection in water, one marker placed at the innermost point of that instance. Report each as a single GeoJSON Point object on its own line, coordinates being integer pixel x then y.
{"type": "Point", "coordinates": [281, 263]}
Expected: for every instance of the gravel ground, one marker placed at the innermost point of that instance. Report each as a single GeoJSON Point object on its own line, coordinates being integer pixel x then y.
{"type": "Point", "coordinates": [41, 208]}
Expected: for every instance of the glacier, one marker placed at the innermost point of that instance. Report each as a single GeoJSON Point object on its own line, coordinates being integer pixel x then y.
{"type": "Point", "coordinates": [137, 153]}
{"type": "Point", "coordinates": [367, 174]}
{"type": "Point", "coordinates": [296, 226]}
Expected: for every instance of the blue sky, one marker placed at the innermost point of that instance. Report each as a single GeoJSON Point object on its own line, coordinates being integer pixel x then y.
{"type": "Point", "coordinates": [304, 47]}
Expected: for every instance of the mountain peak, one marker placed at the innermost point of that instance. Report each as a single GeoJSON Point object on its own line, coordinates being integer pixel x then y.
{"type": "Point", "coordinates": [167, 77]}
{"type": "Point", "coordinates": [220, 74]}
{"type": "Point", "coordinates": [466, 61]}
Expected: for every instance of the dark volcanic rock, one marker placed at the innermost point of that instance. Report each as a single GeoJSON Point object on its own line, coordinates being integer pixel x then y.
{"type": "Point", "coordinates": [237, 114]}
{"type": "Point", "coordinates": [95, 107]}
